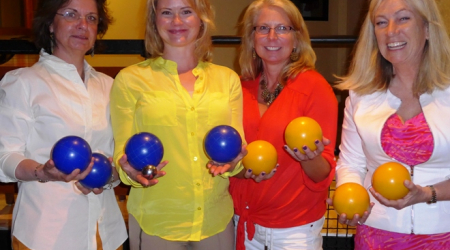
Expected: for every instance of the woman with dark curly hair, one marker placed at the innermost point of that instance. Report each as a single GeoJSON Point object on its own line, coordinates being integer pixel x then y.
{"type": "Point", "coordinates": [58, 96]}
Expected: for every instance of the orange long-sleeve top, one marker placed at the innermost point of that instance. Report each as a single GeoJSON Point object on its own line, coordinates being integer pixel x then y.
{"type": "Point", "coordinates": [290, 198]}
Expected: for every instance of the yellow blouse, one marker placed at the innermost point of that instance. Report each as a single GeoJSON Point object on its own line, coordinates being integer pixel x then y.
{"type": "Point", "coordinates": [188, 203]}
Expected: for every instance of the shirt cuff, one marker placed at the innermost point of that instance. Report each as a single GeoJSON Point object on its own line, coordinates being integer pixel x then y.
{"type": "Point", "coordinates": [8, 171]}
{"type": "Point", "coordinates": [127, 180]}
{"type": "Point", "coordinates": [237, 169]}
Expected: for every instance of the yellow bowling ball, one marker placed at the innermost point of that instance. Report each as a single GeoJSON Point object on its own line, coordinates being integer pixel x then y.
{"type": "Point", "coordinates": [388, 180]}
{"type": "Point", "coordinates": [302, 131]}
{"type": "Point", "coordinates": [350, 199]}
{"type": "Point", "coordinates": [261, 157]}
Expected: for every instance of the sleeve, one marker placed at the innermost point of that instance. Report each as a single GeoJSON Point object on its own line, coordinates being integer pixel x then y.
{"type": "Point", "coordinates": [322, 107]}
{"type": "Point", "coordinates": [122, 120]}
{"type": "Point", "coordinates": [16, 120]}
{"type": "Point", "coordinates": [351, 166]}
{"type": "Point", "coordinates": [236, 104]}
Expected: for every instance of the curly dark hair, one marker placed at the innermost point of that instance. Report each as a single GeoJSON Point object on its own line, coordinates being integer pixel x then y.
{"type": "Point", "coordinates": [45, 14]}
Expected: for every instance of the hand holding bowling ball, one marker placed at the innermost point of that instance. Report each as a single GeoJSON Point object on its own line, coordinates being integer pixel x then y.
{"type": "Point", "coordinates": [351, 199]}
{"type": "Point", "coordinates": [261, 157]}
{"type": "Point", "coordinates": [223, 144]}
{"type": "Point", "coordinates": [303, 131]}
{"type": "Point", "coordinates": [388, 179]}
{"type": "Point", "coordinates": [70, 153]}
{"type": "Point", "coordinates": [144, 152]}
{"type": "Point", "coordinates": [100, 173]}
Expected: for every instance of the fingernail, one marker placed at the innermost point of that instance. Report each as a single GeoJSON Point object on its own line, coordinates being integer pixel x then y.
{"type": "Point", "coordinates": [263, 173]}
{"type": "Point", "coordinates": [285, 147]}
{"type": "Point", "coordinates": [249, 170]}
{"type": "Point", "coordinates": [295, 150]}
{"type": "Point", "coordinates": [305, 147]}
{"type": "Point", "coordinates": [277, 165]}
{"type": "Point", "coordinates": [316, 142]}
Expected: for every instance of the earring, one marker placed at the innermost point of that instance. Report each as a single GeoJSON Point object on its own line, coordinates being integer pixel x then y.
{"type": "Point", "coordinates": [253, 54]}
{"type": "Point", "coordinates": [92, 51]}
{"type": "Point", "coordinates": [294, 55]}
{"type": "Point", "coordinates": [52, 38]}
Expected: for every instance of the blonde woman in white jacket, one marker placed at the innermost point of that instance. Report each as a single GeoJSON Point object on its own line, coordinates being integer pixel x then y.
{"type": "Point", "coordinates": [399, 110]}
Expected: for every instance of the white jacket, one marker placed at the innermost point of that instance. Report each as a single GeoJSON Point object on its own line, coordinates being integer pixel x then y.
{"type": "Point", "coordinates": [361, 153]}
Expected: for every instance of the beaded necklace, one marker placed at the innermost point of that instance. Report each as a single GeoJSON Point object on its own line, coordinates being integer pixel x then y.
{"type": "Point", "coordinates": [267, 96]}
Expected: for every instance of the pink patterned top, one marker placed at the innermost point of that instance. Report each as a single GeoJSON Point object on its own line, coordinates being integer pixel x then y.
{"type": "Point", "coordinates": [411, 143]}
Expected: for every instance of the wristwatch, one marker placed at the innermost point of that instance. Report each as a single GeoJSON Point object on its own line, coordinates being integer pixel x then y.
{"type": "Point", "coordinates": [433, 195]}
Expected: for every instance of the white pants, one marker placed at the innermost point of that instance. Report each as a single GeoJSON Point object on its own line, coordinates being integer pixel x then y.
{"type": "Point", "coordinates": [306, 237]}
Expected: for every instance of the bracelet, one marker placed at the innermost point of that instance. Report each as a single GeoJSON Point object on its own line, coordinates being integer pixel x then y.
{"type": "Point", "coordinates": [109, 185]}
{"type": "Point", "coordinates": [433, 195]}
{"type": "Point", "coordinates": [35, 174]}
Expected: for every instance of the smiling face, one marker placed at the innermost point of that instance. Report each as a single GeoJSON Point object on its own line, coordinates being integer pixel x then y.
{"type": "Point", "coordinates": [273, 48]}
{"type": "Point", "coordinates": [400, 32]}
{"type": "Point", "coordinates": [177, 23]}
{"type": "Point", "coordinates": [77, 37]}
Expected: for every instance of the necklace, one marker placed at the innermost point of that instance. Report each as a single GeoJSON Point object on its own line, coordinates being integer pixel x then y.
{"type": "Point", "coordinates": [267, 96]}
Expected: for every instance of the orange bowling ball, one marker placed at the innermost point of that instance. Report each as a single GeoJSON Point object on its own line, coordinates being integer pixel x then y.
{"type": "Point", "coordinates": [261, 157]}
{"type": "Point", "coordinates": [388, 180]}
{"type": "Point", "coordinates": [302, 131]}
{"type": "Point", "coordinates": [350, 199]}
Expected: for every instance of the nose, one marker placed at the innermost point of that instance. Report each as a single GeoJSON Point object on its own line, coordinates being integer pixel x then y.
{"type": "Point", "coordinates": [392, 28]}
{"type": "Point", "coordinates": [82, 22]}
{"type": "Point", "coordinates": [272, 34]}
{"type": "Point", "coordinates": [176, 19]}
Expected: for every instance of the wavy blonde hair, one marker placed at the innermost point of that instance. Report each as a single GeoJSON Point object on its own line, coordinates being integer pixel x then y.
{"type": "Point", "coordinates": [369, 72]}
{"type": "Point", "coordinates": [203, 45]}
{"type": "Point", "coordinates": [251, 68]}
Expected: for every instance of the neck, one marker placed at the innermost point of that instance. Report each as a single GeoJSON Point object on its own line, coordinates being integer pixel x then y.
{"type": "Point", "coordinates": [405, 74]}
{"type": "Point", "coordinates": [76, 59]}
{"type": "Point", "coordinates": [183, 56]}
{"type": "Point", "coordinates": [272, 74]}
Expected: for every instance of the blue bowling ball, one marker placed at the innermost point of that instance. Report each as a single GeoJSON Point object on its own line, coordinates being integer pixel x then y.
{"type": "Point", "coordinates": [223, 144]}
{"type": "Point", "coordinates": [144, 149]}
{"type": "Point", "coordinates": [100, 173]}
{"type": "Point", "coordinates": [70, 153]}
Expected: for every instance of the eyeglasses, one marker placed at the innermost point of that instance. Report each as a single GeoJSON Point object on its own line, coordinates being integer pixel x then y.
{"type": "Point", "coordinates": [280, 29]}
{"type": "Point", "coordinates": [73, 16]}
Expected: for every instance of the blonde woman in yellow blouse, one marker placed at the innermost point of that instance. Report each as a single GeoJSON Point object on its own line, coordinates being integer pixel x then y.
{"type": "Point", "coordinates": [178, 95]}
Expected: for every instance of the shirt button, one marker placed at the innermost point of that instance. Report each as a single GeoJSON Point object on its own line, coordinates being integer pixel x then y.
{"type": "Point", "coordinates": [192, 108]}
{"type": "Point", "coordinates": [199, 208]}
{"type": "Point", "coordinates": [195, 158]}
{"type": "Point", "coordinates": [198, 184]}
{"type": "Point", "coordinates": [192, 133]}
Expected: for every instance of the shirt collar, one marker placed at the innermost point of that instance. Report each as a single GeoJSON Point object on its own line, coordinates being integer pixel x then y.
{"type": "Point", "coordinates": [59, 63]}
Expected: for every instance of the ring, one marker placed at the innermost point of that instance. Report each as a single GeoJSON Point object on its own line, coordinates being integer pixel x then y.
{"type": "Point", "coordinates": [359, 223]}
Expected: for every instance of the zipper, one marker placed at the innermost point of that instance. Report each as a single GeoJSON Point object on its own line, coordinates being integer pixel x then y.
{"type": "Point", "coordinates": [412, 207]}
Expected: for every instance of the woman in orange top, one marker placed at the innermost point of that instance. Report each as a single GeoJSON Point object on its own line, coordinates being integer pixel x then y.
{"type": "Point", "coordinates": [280, 84]}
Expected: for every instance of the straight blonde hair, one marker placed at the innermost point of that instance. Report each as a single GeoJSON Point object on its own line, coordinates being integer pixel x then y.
{"type": "Point", "coordinates": [369, 72]}
{"type": "Point", "coordinates": [154, 45]}
{"type": "Point", "coordinates": [252, 67]}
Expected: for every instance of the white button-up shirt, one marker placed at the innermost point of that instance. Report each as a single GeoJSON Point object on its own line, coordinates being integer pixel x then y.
{"type": "Point", "coordinates": [38, 106]}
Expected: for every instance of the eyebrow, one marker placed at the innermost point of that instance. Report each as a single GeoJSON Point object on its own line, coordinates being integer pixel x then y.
{"type": "Point", "coordinates": [182, 8]}
{"type": "Point", "coordinates": [68, 8]}
{"type": "Point", "coordinates": [396, 13]}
